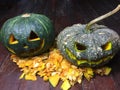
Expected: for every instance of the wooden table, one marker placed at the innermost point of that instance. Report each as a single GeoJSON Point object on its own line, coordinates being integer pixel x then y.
{"type": "Point", "coordinates": [63, 13]}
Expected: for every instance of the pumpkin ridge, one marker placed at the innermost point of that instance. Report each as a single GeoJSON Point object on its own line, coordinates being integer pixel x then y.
{"type": "Point", "coordinates": [48, 25]}
{"type": "Point", "coordinates": [49, 28]}
{"type": "Point", "coordinates": [42, 24]}
{"type": "Point", "coordinates": [13, 23]}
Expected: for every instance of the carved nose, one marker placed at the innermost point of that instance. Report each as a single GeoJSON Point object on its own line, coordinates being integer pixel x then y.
{"type": "Point", "coordinates": [25, 45]}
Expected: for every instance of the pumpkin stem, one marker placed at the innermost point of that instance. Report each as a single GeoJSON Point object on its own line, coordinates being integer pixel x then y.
{"type": "Point", "coordinates": [26, 15]}
{"type": "Point", "coordinates": [88, 26]}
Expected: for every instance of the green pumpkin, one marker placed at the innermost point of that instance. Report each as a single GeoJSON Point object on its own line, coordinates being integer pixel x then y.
{"type": "Point", "coordinates": [88, 45]}
{"type": "Point", "coordinates": [84, 48]}
{"type": "Point", "coordinates": [28, 34]}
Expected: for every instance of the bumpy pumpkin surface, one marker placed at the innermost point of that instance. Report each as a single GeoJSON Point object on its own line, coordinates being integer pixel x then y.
{"type": "Point", "coordinates": [28, 34]}
{"type": "Point", "coordinates": [92, 48]}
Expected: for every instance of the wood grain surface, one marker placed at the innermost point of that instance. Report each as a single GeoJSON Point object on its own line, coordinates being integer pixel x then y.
{"type": "Point", "coordinates": [62, 13]}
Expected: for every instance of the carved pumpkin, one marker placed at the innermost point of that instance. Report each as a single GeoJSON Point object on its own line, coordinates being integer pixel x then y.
{"type": "Point", "coordinates": [28, 34]}
{"type": "Point", "coordinates": [88, 44]}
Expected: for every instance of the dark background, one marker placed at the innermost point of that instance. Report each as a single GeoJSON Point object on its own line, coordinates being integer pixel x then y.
{"type": "Point", "coordinates": [62, 13]}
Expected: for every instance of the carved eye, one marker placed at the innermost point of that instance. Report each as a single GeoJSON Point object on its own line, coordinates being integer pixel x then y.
{"type": "Point", "coordinates": [33, 36]}
{"type": "Point", "coordinates": [12, 39]}
{"type": "Point", "coordinates": [107, 46]}
{"type": "Point", "coordinates": [80, 47]}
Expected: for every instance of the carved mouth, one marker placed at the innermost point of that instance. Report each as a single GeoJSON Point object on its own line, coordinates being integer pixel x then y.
{"type": "Point", "coordinates": [86, 62]}
{"type": "Point", "coordinates": [30, 52]}
{"type": "Point", "coordinates": [35, 51]}
{"type": "Point", "coordinates": [94, 63]}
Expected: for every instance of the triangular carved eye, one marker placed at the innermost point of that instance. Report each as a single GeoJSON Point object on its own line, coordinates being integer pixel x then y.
{"type": "Point", "coordinates": [107, 46]}
{"type": "Point", "coordinates": [12, 39]}
{"type": "Point", "coordinates": [33, 36]}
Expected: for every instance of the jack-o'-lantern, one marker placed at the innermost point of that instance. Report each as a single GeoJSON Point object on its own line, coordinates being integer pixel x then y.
{"type": "Point", "coordinates": [89, 44]}
{"type": "Point", "coordinates": [28, 34]}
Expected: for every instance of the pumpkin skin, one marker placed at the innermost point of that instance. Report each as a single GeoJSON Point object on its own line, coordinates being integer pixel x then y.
{"type": "Point", "coordinates": [89, 48]}
{"type": "Point", "coordinates": [28, 34]}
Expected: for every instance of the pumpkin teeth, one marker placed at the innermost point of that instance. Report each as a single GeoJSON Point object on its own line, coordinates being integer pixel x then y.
{"type": "Point", "coordinates": [98, 62]}
{"type": "Point", "coordinates": [81, 62]}
{"type": "Point", "coordinates": [70, 54]}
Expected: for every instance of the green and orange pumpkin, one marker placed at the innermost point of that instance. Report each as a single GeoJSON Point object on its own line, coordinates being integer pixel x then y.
{"type": "Point", "coordinates": [28, 34]}
{"type": "Point", "coordinates": [89, 44]}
